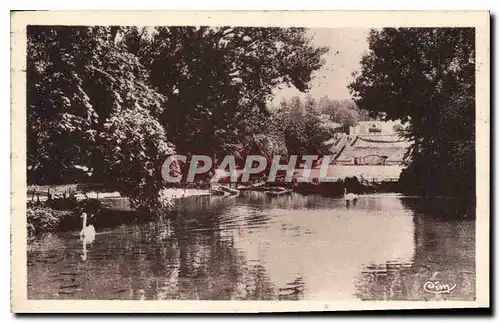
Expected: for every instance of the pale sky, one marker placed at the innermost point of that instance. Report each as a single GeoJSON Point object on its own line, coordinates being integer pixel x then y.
{"type": "Point", "coordinates": [347, 45]}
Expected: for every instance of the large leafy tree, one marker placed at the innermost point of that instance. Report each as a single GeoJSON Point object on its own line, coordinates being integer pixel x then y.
{"type": "Point", "coordinates": [304, 125]}
{"type": "Point", "coordinates": [91, 107]}
{"type": "Point", "coordinates": [115, 101]}
{"type": "Point", "coordinates": [219, 79]}
{"type": "Point", "coordinates": [59, 112]}
{"type": "Point", "coordinates": [426, 76]}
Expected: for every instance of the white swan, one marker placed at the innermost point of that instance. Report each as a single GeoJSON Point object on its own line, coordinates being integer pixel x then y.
{"type": "Point", "coordinates": [87, 235]}
{"type": "Point", "coordinates": [350, 196]}
{"type": "Point", "coordinates": [88, 231]}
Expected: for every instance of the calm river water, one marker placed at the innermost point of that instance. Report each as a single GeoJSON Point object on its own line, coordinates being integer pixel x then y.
{"type": "Point", "coordinates": [254, 246]}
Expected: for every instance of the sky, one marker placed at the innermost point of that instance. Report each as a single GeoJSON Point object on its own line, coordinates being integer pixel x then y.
{"type": "Point", "coordinates": [347, 45]}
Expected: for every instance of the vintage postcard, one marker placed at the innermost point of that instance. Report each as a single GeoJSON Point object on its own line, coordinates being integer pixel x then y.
{"type": "Point", "coordinates": [250, 161]}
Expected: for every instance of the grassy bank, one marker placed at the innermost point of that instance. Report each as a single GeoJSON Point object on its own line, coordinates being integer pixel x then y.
{"type": "Point", "coordinates": [61, 211]}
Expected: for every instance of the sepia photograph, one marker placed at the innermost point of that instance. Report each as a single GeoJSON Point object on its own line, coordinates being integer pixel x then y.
{"type": "Point", "coordinates": [250, 156]}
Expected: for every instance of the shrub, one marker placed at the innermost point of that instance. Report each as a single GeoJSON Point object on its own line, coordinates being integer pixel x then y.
{"type": "Point", "coordinates": [41, 219]}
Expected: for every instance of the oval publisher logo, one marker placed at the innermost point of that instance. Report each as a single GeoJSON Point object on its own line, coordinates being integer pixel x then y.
{"type": "Point", "coordinates": [436, 287]}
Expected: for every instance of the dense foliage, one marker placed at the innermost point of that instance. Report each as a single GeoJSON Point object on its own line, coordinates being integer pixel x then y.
{"type": "Point", "coordinates": [108, 104]}
{"type": "Point", "coordinates": [220, 80]}
{"type": "Point", "coordinates": [42, 219]}
{"type": "Point", "coordinates": [306, 124]}
{"type": "Point", "coordinates": [426, 76]}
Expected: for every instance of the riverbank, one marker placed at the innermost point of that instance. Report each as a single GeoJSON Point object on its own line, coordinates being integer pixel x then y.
{"type": "Point", "coordinates": [53, 208]}
{"type": "Point", "coordinates": [174, 193]}
{"type": "Point", "coordinates": [42, 219]}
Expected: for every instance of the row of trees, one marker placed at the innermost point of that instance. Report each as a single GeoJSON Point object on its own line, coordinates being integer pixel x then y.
{"type": "Point", "coordinates": [115, 101]}
{"type": "Point", "coordinates": [426, 76]}
{"type": "Point", "coordinates": [305, 125]}
{"type": "Point", "coordinates": [344, 112]}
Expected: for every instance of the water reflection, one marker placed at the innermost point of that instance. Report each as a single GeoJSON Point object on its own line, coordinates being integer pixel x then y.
{"type": "Point", "coordinates": [444, 243]}
{"type": "Point", "coordinates": [260, 247]}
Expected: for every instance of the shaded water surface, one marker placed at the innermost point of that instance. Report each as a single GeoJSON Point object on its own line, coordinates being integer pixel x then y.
{"type": "Point", "coordinates": [254, 246]}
